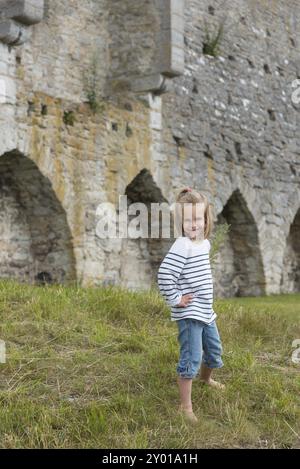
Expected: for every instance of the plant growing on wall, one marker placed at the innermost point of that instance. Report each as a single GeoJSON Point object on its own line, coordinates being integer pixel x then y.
{"type": "Point", "coordinates": [211, 42]}
{"type": "Point", "coordinates": [69, 117]}
{"type": "Point", "coordinates": [91, 85]}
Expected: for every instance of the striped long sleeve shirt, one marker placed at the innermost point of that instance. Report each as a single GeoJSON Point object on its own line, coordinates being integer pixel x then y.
{"type": "Point", "coordinates": [186, 269]}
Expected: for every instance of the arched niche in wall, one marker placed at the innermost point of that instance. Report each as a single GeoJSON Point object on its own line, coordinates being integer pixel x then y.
{"type": "Point", "coordinates": [290, 279]}
{"type": "Point", "coordinates": [35, 239]}
{"type": "Point", "coordinates": [238, 267]}
{"type": "Point", "coordinates": [143, 255]}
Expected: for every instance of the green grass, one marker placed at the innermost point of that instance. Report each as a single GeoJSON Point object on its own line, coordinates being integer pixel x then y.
{"type": "Point", "coordinates": [95, 367]}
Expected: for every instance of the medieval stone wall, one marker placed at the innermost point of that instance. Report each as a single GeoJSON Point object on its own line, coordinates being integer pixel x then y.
{"type": "Point", "coordinates": [237, 136]}
{"type": "Point", "coordinates": [101, 98]}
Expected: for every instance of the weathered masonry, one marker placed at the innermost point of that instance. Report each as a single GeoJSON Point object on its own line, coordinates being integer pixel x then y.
{"type": "Point", "coordinates": [101, 98]}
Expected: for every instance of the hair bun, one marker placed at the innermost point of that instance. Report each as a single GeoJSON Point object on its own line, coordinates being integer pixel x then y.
{"type": "Point", "coordinates": [186, 189]}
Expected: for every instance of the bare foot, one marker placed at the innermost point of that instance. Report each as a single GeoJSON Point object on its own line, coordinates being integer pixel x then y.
{"type": "Point", "coordinates": [214, 384]}
{"type": "Point", "coordinates": [188, 414]}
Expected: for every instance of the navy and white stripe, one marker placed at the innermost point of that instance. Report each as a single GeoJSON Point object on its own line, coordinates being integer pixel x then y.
{"type": "Point", "coordinates": [186, 269]}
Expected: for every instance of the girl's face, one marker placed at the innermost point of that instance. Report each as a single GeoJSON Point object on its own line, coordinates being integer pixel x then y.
{"type": "Point", "coordinates": [193, 221]}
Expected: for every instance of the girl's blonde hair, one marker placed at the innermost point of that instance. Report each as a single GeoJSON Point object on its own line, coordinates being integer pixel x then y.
{"type": "Point", "coordinates": [191, 196]}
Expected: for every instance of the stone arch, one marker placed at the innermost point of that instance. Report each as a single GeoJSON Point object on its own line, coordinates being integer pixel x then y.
{"type": "Point", "coordinates": [144, 255]}
{"type": "Point", "coordinates": [290, 278]}
{"type": "Point", "coordinates": [35, 239]}
{"type": "Point", "coordinates": [238, 266]}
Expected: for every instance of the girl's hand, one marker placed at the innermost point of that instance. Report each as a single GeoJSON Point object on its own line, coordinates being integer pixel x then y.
{"type": "Point", "coordinates": [185, 300]}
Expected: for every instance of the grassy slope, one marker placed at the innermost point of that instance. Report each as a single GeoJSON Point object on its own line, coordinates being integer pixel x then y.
{"type": "Point", "coordinates": [96, 368]}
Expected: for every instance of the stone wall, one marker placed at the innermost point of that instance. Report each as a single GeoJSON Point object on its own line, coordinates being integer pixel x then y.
{"type": "Point", "coordinates": [103, 98]}
{"type": "Point", "coordinates": [240, 133]}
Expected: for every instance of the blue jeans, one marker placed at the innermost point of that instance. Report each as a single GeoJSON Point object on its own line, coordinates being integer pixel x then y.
{"type": "Point", "coordinates": [198, 342]}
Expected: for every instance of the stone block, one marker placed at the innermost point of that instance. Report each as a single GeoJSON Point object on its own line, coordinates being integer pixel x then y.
{"type": "Point", "coordinates": [12, 32]}
{"type": "Point", "coordinates": [25, 11]}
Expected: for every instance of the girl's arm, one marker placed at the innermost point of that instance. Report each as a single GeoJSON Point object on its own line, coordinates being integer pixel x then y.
{"type": "Point", "coordinates": [169, 271]}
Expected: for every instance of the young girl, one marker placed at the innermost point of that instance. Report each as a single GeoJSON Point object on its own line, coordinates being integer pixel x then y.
{"type": "Point", "coordinates": [185, 281]}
